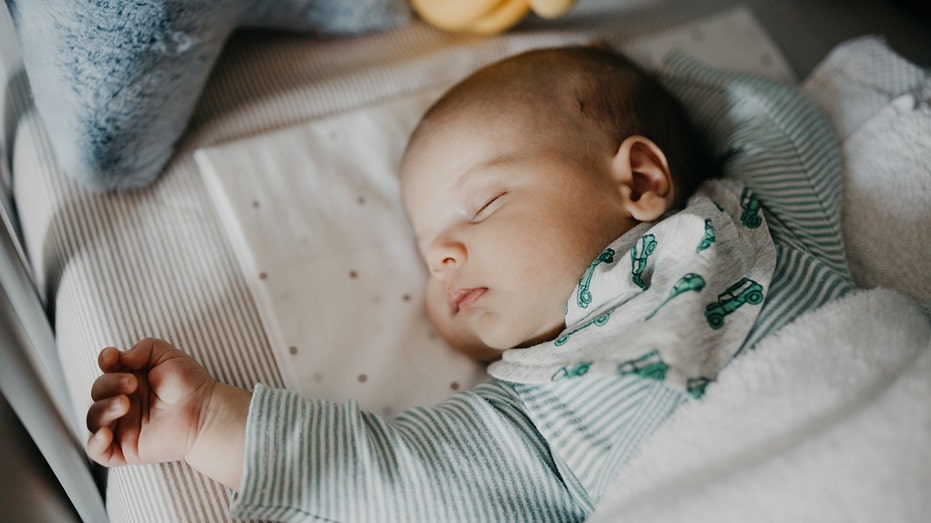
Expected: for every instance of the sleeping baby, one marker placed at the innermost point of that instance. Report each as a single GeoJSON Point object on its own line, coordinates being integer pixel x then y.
{"type": "Point", "coordinates": [575, 238]}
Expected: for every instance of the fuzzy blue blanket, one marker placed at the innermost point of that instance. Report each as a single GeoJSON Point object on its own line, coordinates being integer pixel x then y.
{"type": "Point", "coordinates": [115, 82]}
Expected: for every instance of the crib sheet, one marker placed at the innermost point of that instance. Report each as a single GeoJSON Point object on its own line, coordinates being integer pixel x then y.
{"type": "Point", "coordinates": [315, 218]}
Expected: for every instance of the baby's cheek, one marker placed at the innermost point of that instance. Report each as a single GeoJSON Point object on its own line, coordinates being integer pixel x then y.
{"type": "Point", "coordinates": [437, 308]}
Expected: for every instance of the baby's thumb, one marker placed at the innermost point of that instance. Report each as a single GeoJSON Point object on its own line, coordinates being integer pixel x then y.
{"type": "Point", "coordinates": [146, 353]}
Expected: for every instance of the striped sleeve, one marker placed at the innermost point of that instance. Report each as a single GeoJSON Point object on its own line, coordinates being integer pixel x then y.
{"type": "Point", "coordinates": [783, 148]}
{"type": "Point", "coordinates": [476, 457]}
{"type": "Point", "coordinates": [598, 425]}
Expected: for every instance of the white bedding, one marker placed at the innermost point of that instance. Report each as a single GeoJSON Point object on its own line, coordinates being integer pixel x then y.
{"type": "Point", "coordinates": [827, 420]}
{"type": "Point", "coordinates": [881, 108]}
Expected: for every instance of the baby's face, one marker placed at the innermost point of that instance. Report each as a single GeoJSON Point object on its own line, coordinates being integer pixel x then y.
{"type": "Point", "coordinates": [508, 212]}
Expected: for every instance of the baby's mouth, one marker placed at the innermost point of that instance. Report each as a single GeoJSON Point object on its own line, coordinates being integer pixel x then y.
{"type": "Point", "coordinates": [459, 299]}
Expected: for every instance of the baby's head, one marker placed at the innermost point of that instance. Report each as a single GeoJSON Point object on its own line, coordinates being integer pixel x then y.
{"type": "Point", "coordinates": [520, 175]}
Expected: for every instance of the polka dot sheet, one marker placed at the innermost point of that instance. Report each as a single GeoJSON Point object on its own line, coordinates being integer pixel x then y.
{"type": "Point", "coordinates": [315, 216]}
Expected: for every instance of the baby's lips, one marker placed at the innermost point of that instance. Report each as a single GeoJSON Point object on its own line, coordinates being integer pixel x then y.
{"type": "Point", "coordinates": [464, 297]}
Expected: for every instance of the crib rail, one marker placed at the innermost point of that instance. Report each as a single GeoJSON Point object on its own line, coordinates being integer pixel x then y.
{"type": "Point", "coordinates": [31, 378]}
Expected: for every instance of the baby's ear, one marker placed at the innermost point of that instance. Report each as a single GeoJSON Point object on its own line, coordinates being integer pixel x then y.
{"type": "Point", "coordinates": [642, 170]}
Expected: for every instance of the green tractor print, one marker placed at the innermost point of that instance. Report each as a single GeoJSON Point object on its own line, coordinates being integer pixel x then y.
{"type": "Point", "coordinates": [696, 386]}
{"type": "Point", "coordinates": [690, 282]}
{"type": "Point", "coordinates": [750, 217]}
{"type": "Point", "coordinates": [575, 371]}
{"type": "Point", "coordinates": [650, 365]}
{"type": "Point", "coordinates": [598, 322]}
{"type": "Point", "coordinates": [744, 291]}
{"type": "Point", "coordinates": [584, 298]}
{"type": "Point", "coordinates": [638, 258]}
{"type": "Point", "coordinates": [708, 238]}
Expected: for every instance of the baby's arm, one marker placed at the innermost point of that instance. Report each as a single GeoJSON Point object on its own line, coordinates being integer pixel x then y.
{"type": "Point", "coordinates": [475, 457]}
{"type": "Point", "coordinates": [154, 403]}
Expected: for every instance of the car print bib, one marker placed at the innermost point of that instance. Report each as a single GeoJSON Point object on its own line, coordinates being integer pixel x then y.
{"type": "Point", "coordinates": [673, 300]}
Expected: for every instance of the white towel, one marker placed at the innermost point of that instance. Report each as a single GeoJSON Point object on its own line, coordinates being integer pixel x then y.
{"type": "Point", "coordinates": [881, 107]}
{"type": "Point", "coordinates": [827, 420]}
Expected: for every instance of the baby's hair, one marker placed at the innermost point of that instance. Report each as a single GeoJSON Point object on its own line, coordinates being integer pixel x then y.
{"type": "Point", "coordinates": [608, 90]}
{"type": "Point", "coordinates": [625, 101]}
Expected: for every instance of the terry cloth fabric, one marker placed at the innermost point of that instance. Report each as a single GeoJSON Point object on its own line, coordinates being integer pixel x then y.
{"type": "Point", "coordinates": [672, 300]}
{"type": "Point", "coordinates": [880, 104]}
{"type": "Point", "coordinates": [826, 420]}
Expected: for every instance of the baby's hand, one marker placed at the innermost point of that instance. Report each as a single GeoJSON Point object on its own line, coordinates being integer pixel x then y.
{"type": "Point", "coordinates": [149, 404]}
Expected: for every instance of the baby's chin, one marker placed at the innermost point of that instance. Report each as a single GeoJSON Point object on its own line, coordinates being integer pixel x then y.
{"type": "Point", "coordinates": [544, 337]}
{"type": "Point", "coordinates": [469, 343]}
{"type": "Point", "coordinates": [476, 348]}
{"type": "Point", "coordinates": [491, 344]}
{"type": "Point", "coordinates": [480, 353]}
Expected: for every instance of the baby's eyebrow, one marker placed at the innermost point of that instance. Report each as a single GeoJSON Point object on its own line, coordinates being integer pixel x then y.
{"type": "Point", "coordinates": [482, 170]}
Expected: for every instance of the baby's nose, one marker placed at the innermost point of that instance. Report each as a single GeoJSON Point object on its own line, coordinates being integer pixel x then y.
{"type": "Point", "coordinates": [445, 255]}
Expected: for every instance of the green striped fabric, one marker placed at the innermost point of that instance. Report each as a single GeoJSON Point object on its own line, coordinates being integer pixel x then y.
{"type": "Point", "coordinates": [781, 146]}
{"type": "Point", "coordinates": [476, 457]}
{"type": "Point", "coordinates": [519, 452]}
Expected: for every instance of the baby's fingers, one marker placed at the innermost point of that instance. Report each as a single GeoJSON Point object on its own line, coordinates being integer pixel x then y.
{"type": "Point", "coordinates": [101, 448]}
{"type": "Point", "coordinates": [109, 359]}
{"type": "Point", "coordinates": [113, 384]}
{"type": "Point", "coordinates": [104, 412]}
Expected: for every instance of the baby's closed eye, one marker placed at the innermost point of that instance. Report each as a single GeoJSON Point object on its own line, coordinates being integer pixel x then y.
{"type": "Point", "coordinates": [488, 205]}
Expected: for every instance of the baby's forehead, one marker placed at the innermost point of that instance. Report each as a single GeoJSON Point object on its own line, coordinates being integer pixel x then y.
{"type": "Point", "coordinates": [443, 131]}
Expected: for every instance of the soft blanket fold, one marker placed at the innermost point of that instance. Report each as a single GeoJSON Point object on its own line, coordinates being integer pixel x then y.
{"type": "Point", "coordinates": [880, 105]}
{"type": "Point", "coordinates": [826, 420]}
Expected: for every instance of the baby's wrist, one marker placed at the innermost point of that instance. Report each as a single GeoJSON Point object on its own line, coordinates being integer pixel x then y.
{"type": "Point", "coordinates": [220, 436]}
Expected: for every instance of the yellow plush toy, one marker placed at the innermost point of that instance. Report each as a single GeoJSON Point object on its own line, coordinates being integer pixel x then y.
{"type": "Point", "coordinates": [485, 16]}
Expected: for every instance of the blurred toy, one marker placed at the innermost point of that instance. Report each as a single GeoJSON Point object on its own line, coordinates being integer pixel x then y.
{"type": "Point", "coordinates": [485, 16]}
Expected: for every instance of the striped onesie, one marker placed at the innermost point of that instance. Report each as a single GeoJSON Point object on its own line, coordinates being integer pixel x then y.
{"type": "Point", "coordinates": [528, 451]}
